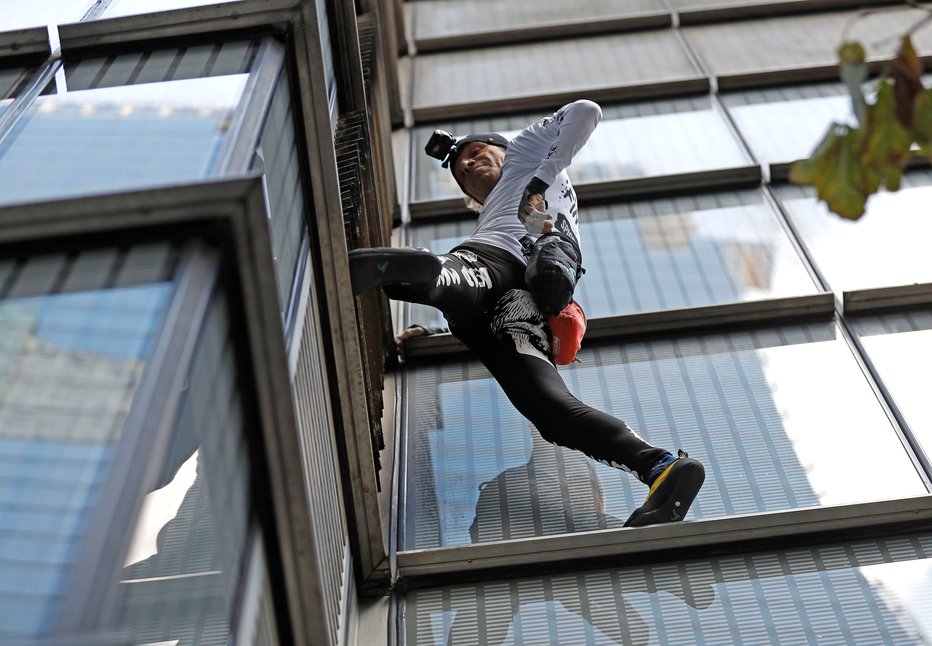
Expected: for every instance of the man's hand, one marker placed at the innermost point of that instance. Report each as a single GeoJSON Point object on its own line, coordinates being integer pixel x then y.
{"type": "Point", "coordinates": [532, 199]}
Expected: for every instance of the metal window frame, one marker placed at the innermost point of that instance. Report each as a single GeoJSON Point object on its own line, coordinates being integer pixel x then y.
{"type": "Point", "coordinates": [661, 543]}
{"type": "Point", "coordinates": [818, 306]}
{"type": "Point", "coordinates": [235, 208]}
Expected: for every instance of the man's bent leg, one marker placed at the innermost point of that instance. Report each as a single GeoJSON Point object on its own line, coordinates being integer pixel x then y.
{"type": "Point", "coordinates": [376, 267]}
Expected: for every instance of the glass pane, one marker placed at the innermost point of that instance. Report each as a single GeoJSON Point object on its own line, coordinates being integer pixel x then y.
{"type": "Point", "coordinates": [439, 18]}
{"type": "Point", "coordinates": [781, 418]}
{"type": "Point", "coordinates": [887, 246]}
{"type": "Point", "coordinates": [92, 141]}
{"type": "Point", "coordinates": [549, 67]}
{"type": "Point", "coordinates": [900, 346]}
{"type": "Point", "coordinates": [70, 363]}
{"type": "Point", "coordinates": [785, 124]}
{"type": "Point", "coordinates": [802, 41]}
{"type": "Point", "coordinates": [132, 7]}
{"type": "Point", "coordinates": [633, 140]}
{"type": "Point", "coordinates": [666, 254]}
{"type": "Point", "coordinates": [864, 592]}
{"type": "Point", "coordinates": [21, 15]}
{"type": "Point", "coordinates": [184, 564]}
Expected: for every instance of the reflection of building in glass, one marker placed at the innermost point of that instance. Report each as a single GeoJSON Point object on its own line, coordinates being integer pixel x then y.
{"type": "Point", "coordinates": [62, 411]}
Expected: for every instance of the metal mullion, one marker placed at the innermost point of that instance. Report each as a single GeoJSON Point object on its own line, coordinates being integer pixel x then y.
{"type": "Point", "coordinates": [659, 543]}
{"type": "Point", "coordinates": [609, 328]}
{"type": "Point", "coordinates": [236, 156]}
{"type": "Point", "coordinates": [148, 431]}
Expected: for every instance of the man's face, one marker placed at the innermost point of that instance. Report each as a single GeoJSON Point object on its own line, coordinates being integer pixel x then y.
{"type": "Point", "coordinates": [478, 168]}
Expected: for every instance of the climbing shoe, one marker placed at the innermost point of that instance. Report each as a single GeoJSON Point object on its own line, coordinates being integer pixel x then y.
{"type": "Point", "coordinates": [380, 266]}
{"type": "Point", "coordinates": [671, 493]}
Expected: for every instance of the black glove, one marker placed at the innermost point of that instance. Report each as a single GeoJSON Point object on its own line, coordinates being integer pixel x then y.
{"type": "Point", "coordinates": [536, 186]}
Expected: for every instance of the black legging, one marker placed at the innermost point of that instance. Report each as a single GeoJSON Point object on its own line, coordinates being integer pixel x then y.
{"type": "Point", "coordinates": [476, 293]}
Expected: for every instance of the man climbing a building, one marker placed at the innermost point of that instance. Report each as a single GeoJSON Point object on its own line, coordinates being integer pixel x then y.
{"type": "Point", "coordinates": [484, 288]}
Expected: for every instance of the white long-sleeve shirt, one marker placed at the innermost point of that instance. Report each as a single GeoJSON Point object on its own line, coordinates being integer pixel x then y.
{"type": "Point", "coordinates": [543, 150]}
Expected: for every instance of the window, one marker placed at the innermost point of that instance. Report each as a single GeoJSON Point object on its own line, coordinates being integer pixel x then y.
{"type": "Point", "coordinates": [646, 139]}
{"type": "Point", "coordinates": [782, 418]}
{"type": "Point", "coordinates": [142, 119]}
{"type": "Point", "coordinates": [885, 247]}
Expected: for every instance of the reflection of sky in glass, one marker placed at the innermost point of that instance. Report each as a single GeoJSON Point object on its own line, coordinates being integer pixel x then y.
{"type": "Point", "coordinates": [887, 246]}
{"type": "Point", "coordinates": [903, 360]}
{"type": "Point", "coordinates": [117, 138]}
{"type": "Point", "coordinates": [21, 15]}
{"type": "Point", "coordinates": [785, 131]}
{"type": "Point", "coordinates": [132, 7]}
{"type": "Point", "coordinates": [651, 256]}
{"type": "Point", "coordinates": [867, 592]}
{"type": "Point", "coordinates": [782, 419]}
{"type": "Point", "coordinates": [622, 148]}
{"type": "Point", "coordinates": [69, 367]}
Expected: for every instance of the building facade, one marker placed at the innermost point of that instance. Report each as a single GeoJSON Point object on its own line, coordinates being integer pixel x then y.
{"type": "Point", "coordinates": [206, 439]}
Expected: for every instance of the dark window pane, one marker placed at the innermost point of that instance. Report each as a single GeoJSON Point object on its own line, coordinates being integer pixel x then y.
{"type": "Point", "coordinates": [782, 419]}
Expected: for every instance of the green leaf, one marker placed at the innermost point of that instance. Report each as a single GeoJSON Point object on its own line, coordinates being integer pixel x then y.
{"type": "Point", "coordinates": [922, 122]}
{"type": "Point", "coordinates": [836, 171]}
{"type": "Point", "coordinates": [885, 149]}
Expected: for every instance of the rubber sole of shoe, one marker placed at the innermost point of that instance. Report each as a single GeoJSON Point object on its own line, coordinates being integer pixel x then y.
{"type": "Point", "coordinates": [673, 498]}
{"type": "Point", "coordinates": [377, 267]}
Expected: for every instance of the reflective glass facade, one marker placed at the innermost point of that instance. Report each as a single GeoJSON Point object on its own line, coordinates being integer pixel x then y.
{"type": "Point", "coordinates": [71, 360]}
{"type": "Point", "coordinates": [677, 237]}
{"type": "Point", "coordinates": [137, 120]}
{"type": "Point", "coordinates": [738, 402]}
{"type": "Point", "coordinates": [865, 592]}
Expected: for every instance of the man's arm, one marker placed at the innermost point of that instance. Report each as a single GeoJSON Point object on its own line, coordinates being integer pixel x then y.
{"type": "Point", "coordinates": [568, 131]}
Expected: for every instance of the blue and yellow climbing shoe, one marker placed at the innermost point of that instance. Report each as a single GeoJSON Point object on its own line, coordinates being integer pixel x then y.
{"type": "Point", "coordinates": [671, 493]}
